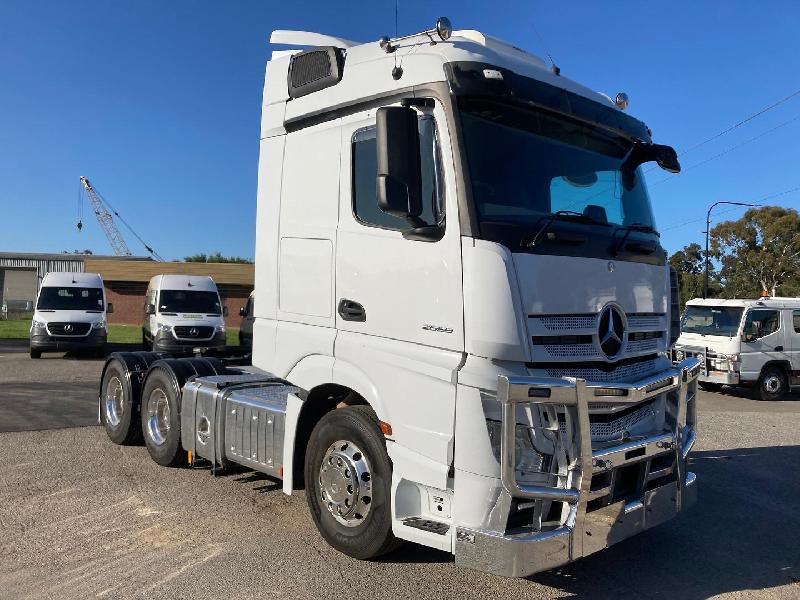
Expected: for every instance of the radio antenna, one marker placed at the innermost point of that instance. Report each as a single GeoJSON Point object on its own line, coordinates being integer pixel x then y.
{"type": "Point", "coordinates": [553, 66]}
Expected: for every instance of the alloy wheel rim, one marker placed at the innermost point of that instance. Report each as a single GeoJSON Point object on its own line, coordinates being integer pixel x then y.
{"type": "Point", "coordinates": [345, 483]}
{"type": "Point", "coordinates": [772, 384]}
{"type": "Point", "coordinates": [115, 405]}
{"type": "Point", "coordinates": [158, 416]}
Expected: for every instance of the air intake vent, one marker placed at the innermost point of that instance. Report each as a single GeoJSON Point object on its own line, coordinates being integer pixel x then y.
{"type": "Point", "coordinates": [314, 70]}
{"type": "Point", "coordinates": [674, 307]}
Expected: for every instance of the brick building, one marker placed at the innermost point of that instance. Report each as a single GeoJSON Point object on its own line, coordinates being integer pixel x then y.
{"type": "Point", "coordinates": [125, 278]}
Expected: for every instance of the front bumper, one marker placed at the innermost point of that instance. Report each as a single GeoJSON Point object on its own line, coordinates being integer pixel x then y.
{"type": "Point", "coordinates": [167, 342]}
{"type": "Point", "coordinates": [96, 338]}
{"type": "Point", "coordinates": [590, 524]}
{"type": "Point", "coordinates": [707, 373]}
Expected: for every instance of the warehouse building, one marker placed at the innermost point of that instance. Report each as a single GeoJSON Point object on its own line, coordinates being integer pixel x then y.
{"type": "Point", "coordinates": [125, 278]}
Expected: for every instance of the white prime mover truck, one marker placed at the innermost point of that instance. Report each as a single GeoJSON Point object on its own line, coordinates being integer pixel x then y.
{"type": "Point", "coordinates": [463, 314]}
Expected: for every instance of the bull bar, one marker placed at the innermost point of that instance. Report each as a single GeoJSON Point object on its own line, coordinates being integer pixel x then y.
{"type": "Point", "coordinates": [518, 554]}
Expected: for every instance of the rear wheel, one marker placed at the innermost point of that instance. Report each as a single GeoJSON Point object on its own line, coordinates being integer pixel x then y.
{"type": "Point", "coordinates": [36, 353]}
{"type": "Point", "coordinates": [348, 483]}
{"type": "Point", "coordinates": [773, 384]}
{"type": "Point", "coordinates": [161, 426]}
{"type": "Point", "coordinates": [117, 409]}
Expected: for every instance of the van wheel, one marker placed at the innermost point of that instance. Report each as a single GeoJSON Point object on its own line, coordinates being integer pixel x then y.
{"type": "Point", "coordinates": [161, 425]}
{"type": "Point", "coordinates": [36, 353]}
{"type": "Point", "coordinates": [116, 410]}
{"type": "Point", "coordinates": [348, 483]}
{"type": "Point", "coordinates": [773, 384]}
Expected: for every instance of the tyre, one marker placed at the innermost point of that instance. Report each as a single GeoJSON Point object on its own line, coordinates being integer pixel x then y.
{"type": "Point", "coordinates": [36, 353]}
{"type": "Point", "coordinates": [773, 384]}
{"type": "Point", "coordinates": [117, 409]}
{"type": "Point", "coordinates": [161, 426]}
{"type": "Point", "coordinates": [348, 483]}
{"type": "Point", "coordinates": [709, 387]}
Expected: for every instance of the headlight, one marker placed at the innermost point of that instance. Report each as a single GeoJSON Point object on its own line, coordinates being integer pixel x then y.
{"type": "Point", "coordinates": [679, 355]}
{"type": "Point", "coordinates": [164, 327]}
{"type": "Point", "coordinates": [219, 329]}
{"type": "Point", "coordinates": [38, 324]}
{"type": "Point", "coordinates": [734, 357]}
{"type": "Point", "coordinates": [528, 459]}
{"type": "Point", "coordinates": [99, 325]}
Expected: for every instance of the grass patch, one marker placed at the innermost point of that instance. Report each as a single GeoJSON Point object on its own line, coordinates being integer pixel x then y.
{"type": "Point", "coordinates": [19, 329]}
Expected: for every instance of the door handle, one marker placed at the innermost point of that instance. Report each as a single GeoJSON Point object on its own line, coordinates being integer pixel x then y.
{"type": "Point", "coordinates": [778, 348]}
{"type": "Point", "coordinates": [350, 310]}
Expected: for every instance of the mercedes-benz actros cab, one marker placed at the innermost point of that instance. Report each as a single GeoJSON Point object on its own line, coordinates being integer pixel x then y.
{"type": "Point", "coordinates": [464, 311]}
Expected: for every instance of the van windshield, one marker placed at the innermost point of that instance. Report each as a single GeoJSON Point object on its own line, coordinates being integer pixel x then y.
{"type": "Point", "coordinates": [189, 301]}
{"type": "Point", "coordinates": [712, 320]}
{"type": "Point", "coordinates": [70, 298]}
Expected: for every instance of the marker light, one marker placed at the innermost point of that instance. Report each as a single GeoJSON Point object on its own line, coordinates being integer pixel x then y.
{"type": "Point", "coordinates": [622, 101]}
{"type": "Point", "coordinates": [444, 28]}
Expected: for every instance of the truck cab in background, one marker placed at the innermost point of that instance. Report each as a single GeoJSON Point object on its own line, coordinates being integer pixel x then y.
{"type": "Point", "coordinates": [753, 343]}
{"type": "Point", "coordinates": [463, 311]}
{"type": "Point", "coordinates": [70, 314]}
{"type": "Point", "coordinates": [181, 313]}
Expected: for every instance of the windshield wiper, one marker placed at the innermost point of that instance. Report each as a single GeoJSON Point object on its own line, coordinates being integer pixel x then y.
{"type": "Point", "coordinates": [566, 215]}
{"type": "Point", "coordinates": [640, 227]}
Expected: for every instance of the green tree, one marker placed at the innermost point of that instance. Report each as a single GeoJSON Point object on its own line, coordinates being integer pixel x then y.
{"type": "Point", "coordinates": [217, 257]}
{"type": "Point", "coordinates": [760, 251]}
{"type": "Point", "coordinates": [688, 263]}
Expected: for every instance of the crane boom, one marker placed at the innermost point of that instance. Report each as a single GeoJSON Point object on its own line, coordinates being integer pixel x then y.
{"type": "Point", "coordinates": [106, 220]}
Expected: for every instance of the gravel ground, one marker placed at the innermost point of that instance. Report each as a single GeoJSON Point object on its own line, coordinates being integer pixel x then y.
{"type": "Point", "coordinates": [83, 518]}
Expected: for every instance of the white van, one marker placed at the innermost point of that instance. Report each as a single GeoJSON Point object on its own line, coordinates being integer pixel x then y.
{"type": "Point", "coordinates": [70, 314]}
{"type": "Point", "coordinates": [744, 342]}
{"type": "Point", "coordinates": [183, 312]}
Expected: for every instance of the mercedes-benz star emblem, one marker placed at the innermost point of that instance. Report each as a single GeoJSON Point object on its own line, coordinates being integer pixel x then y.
{"type": "Point", "coordinates": [67, 328]}
{"type": "Point", "coordinates": [611, 331]}
{"type": "Point", "coordinates": [193, 332]}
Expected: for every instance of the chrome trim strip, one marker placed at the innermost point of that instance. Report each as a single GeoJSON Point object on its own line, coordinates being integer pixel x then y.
{"type": "Point", "coordinates": [633, 506]}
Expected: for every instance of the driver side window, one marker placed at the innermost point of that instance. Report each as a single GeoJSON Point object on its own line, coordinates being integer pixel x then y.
{"type": "Point", "coordinates": [762, 322]}
{"type": "Point", "coordinates": [365, 172]}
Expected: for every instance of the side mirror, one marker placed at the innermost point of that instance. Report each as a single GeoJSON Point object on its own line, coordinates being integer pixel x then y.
{"type": "Point", "coordinates": [399, 182]}
{"type": "Point", "coordinates": [224, 311]}
{"type": "Point", "coordinates": [149, 309]}
{"type": "Point", "coordinates": [242, 311]}
{"type": "Point", "coordinates": [666, 158]}
{"type": "Point", "coordinates": [109, 308]}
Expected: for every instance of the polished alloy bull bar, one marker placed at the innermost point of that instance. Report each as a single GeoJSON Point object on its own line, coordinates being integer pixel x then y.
{"type": "Point", "coordinates": [521, 554]}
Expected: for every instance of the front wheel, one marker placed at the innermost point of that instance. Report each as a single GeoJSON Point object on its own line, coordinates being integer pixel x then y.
{"type": "Point", "coordinates": [36, 353]}
{"type": "Point", "coordinates": [773, 384]}
{"type": "Point", "coordinates": [348, 483]}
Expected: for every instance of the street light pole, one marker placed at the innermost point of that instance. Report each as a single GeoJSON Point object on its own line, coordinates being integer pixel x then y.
{"type": "Point", "coordinates": [708, 227]}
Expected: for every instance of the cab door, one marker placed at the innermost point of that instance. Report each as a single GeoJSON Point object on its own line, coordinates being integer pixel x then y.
{"type": "Point", "coordinates": [399, 300]}
{"type": "Point", "coordinates": [763, 340]}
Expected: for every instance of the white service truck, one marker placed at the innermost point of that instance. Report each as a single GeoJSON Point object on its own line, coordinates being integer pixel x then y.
{"type": "Point", "coordinates": [463, 315]}
{"type": "Point", "coordinates": [753, 343]}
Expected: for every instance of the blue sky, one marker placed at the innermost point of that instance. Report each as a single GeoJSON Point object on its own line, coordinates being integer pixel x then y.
{"type": "Point", "coordinates": [158, 103]}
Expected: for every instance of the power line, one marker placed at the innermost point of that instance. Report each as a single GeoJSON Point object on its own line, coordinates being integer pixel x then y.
{"type": "Point", "coordinates": [729, 150]}
{"type": "Point", "coordinates": [759, 199]}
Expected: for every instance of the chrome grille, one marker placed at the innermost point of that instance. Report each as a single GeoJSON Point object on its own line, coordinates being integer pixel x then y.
{"type": "Point", "coordinates": [616, 428]}
{"type": "Point", "coordinates": [645, 321]}
{"type": "Point", "coordinates": [650, 345]}
{"type": "Point", "coordinates": [621, 374]}
{"type": "Point", "coordinates": [68, 329]}
{"type": "Point", "coordinates": [572, 350]}
{"type": "Point", "coordinates": [185, 332]}
{"type": "Point", "coordinates": [566, 322]}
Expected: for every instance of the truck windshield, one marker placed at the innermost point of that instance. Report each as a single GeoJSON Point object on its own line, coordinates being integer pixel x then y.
{"type": "Point", "coordinates": [526, 165]}
{"type": "Point", "coordinates": [712, 320]}
{"type": "Point", "coordinates": [189, 301]}
{"type": "Point", "coordinates": [70, 298]}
